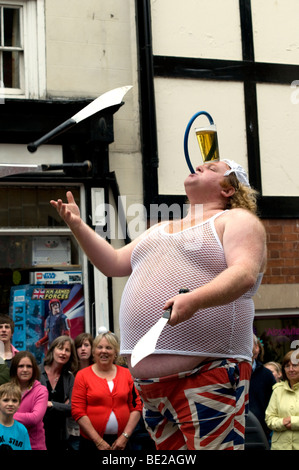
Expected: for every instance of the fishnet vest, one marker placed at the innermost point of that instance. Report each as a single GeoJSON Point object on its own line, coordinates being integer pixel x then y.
{"type": "Point", "coordinates": [162, 263]}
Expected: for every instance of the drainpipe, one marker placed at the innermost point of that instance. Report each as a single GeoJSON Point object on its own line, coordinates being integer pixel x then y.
{"type": "Point", "coordinates": [149, 141]}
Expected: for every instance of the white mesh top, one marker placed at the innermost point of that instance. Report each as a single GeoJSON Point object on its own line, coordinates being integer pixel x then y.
{"type": "Point", "coordinates": [162, 263]}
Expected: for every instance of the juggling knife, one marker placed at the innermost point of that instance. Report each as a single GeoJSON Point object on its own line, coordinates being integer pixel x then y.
{"type": "Point", "coordinates": [147, 344]}
{"type": "Point", "coordinates": [110, 98]}
{"type": "Point", "coordinates": [10, 169]}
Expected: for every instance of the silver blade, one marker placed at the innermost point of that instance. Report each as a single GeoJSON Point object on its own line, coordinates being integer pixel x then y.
{"type": "Point", "coordinates": [7, 169]}
{"type": "Point", "coordinates": [110, 98]}
{"type": "Point", "coordinates": [147, 344]}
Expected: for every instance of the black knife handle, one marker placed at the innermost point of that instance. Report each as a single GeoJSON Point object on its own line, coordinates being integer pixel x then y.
{"type": "Point", "coordinates": [167, 313]}
{"type": "Point", "coordinates": [183, 290]}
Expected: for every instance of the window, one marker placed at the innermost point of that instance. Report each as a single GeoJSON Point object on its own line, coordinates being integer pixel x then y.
{"type": "Point", "coordinates": [11, 48]}
{"type": "Point", "coordinates": [22, 49]}
{"type": "Point", "coordinates": [27, 207]}
{"type": "Point", "coordinates": [28, 223]}
{"type": "Point", "coordinates": [278, 331]}
{"type": "Point", "coordinates": [12, 52]}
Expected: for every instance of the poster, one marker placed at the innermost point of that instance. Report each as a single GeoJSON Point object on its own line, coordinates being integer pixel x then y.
{"type": "Point", "coordinates": [43, 312]}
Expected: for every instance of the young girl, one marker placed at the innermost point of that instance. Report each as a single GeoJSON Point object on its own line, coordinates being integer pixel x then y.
{"type": "Point", "coordinates": [83, 347]}
{"type": "Point", "coordinates": [25, 373]}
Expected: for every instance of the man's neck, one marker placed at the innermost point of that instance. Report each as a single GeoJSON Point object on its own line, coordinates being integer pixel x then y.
{"type": "Point", "coordinates": [203, 211]}
{"type": "Point", "coordinates": [196, 215]}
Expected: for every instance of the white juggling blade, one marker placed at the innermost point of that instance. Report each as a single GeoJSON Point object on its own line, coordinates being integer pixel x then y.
{"type": "Point", "coordinates": [147, 344]}
{"type": "Point", "coordinates": [110, 98]}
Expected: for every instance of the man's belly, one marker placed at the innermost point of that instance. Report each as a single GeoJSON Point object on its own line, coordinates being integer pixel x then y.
{"type": "Point", "coordinates": [161, 365]}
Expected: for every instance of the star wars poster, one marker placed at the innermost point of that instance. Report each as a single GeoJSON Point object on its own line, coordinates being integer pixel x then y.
{"type": "Point", "coordinates": [43, 312]}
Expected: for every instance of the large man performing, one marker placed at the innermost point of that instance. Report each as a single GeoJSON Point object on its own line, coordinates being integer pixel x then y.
{"type": "Point", "coordinates": [195, 386]}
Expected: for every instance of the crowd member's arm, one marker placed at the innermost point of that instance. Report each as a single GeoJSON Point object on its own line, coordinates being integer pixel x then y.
{"type": "Point", "coordinates": [244, 247]}
{"type": "Point", "coordinates": [274, 421]}
{"type": "Point", "coordinates": [88, 429]}
{"type": "Point", "coordinates": [38, 410]}
{"type": "Point", "coordinates": [122, 440]}
{"type": "Point", "coordinates": [135, 406]}
{"type": "Point", "coordinates": [79, 412]}
{"type": "Point", "coordinates": [66, 407]}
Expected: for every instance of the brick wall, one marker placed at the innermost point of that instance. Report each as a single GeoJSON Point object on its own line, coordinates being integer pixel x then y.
{"type": "Point", "coordinates": [283, 251]}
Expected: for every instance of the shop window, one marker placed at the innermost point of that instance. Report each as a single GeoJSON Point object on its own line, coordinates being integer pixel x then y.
{"type": "Point", "coordinates": [33, 238]}
{"type": "Point", "coordinates": [279, 335]}
{"type": "Point", "coordinates": [46, 251]}
{"type": "Point", "coordinates": [30, 207]}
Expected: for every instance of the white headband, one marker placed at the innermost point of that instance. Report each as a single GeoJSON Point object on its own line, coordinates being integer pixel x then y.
{"type": "Point", "coordinates": [238, 170]}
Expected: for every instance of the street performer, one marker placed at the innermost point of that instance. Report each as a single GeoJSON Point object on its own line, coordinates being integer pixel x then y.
{"type": "Point", "coordinates": [195, 386]}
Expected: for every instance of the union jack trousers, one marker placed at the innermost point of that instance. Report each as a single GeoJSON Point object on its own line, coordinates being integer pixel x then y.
{"type": "Point", "coordinates": [202, 409]}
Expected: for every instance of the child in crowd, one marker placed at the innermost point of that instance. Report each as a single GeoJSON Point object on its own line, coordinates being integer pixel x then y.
{"type": "Point", "coordinates": [7, 350]}
{"type": "Point", "coordinates": [13, 435]}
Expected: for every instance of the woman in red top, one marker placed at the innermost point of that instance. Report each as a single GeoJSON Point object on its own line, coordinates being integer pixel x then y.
{"type": "Point", "coordinates": [104, 400]}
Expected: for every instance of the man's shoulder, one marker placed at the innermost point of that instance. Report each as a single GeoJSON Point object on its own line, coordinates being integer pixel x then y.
{"type": "Point", "coordinates": [240, 212]}
{"type": "Point", "coordinates": [239, 215]}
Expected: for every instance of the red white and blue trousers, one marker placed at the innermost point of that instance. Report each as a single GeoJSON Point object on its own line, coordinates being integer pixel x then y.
{"type": "Point", "coordinates": [202, 409]}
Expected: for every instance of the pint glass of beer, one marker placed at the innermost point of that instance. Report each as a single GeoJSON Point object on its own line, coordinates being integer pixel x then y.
{"type": "Point", "coordinates": [208, 142]}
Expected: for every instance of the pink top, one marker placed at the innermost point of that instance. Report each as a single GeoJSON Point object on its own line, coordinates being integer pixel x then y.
{"type": "Point", "coordinates": [31, 412]}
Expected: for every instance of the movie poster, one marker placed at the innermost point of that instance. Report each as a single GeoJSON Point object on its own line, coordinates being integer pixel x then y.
{"type": "Point", "coordinates": [43, 312]}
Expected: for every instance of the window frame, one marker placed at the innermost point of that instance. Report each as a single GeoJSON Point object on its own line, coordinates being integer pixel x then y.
{"type": "Point", "coordinates": [17, 48]}
{"type": "Point", "coordinates": [33, 59]}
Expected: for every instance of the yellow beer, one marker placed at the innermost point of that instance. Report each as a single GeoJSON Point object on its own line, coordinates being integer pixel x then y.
{"type": "Point", "coordinates": [208, 143]}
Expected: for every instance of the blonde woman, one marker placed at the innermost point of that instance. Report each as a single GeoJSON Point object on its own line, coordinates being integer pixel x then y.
{"type": "Point", "coordinates": [104, 401]}
{"type": "Point", "coordinates": [282, 413]}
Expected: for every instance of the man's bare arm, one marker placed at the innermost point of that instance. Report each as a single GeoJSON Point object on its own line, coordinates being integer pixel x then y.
{"type": "Point", "coordinates": [245, 250]}
{"type": "Point", "coordinates": [107, 259]}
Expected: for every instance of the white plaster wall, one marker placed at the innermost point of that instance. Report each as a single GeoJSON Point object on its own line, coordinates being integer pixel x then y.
{"type": "Point", "coordinates": [211, 29]}
{"type": "Point", "coordinates": [88, 46]}
{"type": "Point", "coordinates": [275, 30]}
{"type": "Point", "coordinates": [278, 116]}
{"type": "Point", "coordinates": [177, 100]}
{"type": "Point", "coordinates": [197, 28]}
{"type": "Point", "coordinates": [90, 49]}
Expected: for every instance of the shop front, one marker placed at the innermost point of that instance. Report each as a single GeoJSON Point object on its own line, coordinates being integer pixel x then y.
{"type": "Point", "coordinates": [278, 331]}
{"type": "Point", "coordinates": [47, 285]}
